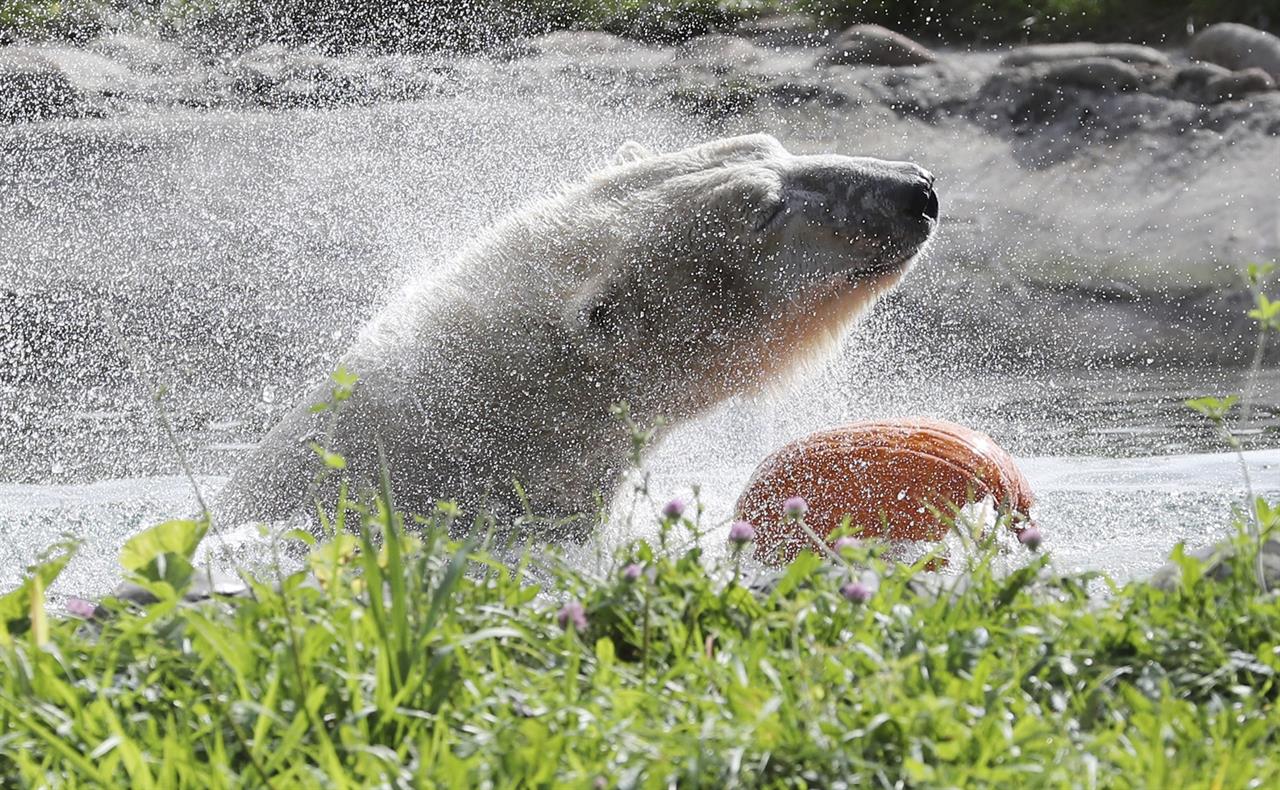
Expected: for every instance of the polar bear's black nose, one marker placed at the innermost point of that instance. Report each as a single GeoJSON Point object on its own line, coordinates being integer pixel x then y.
{"type": "Point", "coordinates": [923, 200]}
{"type": "Point", "coordinates": [931, 208]}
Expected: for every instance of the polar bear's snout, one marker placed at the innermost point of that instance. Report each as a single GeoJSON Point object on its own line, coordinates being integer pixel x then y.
{"type": "Point", "coordinates": [855, 215]}
{"type": "Point", "coordinates": [845, 191]}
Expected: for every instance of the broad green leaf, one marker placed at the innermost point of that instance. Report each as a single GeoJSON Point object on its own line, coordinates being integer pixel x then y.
{"type": "Point", "coordinates": [16, 606]}
{"type": "Point", "coordinates": [1213, 408]}
{"type": "Point", "coordinates": [180, 537]}
{"type": "Point", "coordinates": [1259, 271]}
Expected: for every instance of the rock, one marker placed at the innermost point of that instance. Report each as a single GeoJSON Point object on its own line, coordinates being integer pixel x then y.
{"type": "Point", "coordinates": [276, 75]}
{"type": "Point", "coordinates": [1191, 83]}
{"type": "Point", "coordinates": [1056, 112]}
{"type": "Point", "coordinates": [1240, 83]}
{"type": "Point", "coordinates": [1102, 74]}
{"type": "Point", "coordinates": [1051, 53]}
{"type": "Point", "coordinates": [1169, 575]}
{"type": "Point", "coordinates": [206, 584]}
{"type": "Point", "coordinates": [1206, 83]}
{"type": "Point", "coordinates": [872, 45]}
{"type": "Point", "coordinates": [720, 54]}
{"type": "Point", "coordinates": [716, 100]}
{"type": "Point", "coordinates": [1040, 84]}
{"type": "Point", "coordinates": [33, 88]}
{"type": "Point", "coordinates": [787, 92]}
{"type": "Point", "coordinates": [144, 55]}
{"type": "Point", "coordinates": [929, 93]}
{"type": "Point", "coordinates": [575, 43]}
{"type": "Point", "coordinates": [783, 30]}
{"type": "Point", "coordinates": [1198, 74]}
{"type": "Point", "coordinates": [1237, 46]}
{"type": "Point", "coordinates": [88, 72]}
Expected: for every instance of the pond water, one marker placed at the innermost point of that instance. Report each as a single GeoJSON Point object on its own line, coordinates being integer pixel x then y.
{"type": "Point", "coordinates": [1121, 469]}
{"type": "Point", "coordinates": [225, 258]}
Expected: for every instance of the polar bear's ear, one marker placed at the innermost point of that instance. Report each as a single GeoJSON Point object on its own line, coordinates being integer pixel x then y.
{"type": "Point", "coordinates": [630, 151]}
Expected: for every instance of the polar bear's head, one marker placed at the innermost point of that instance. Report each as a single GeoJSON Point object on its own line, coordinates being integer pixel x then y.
{"type": "Point", "coordinates": [714, 268]}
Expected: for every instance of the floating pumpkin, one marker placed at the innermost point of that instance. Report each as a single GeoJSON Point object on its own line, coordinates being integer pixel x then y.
{"type": "Point", "coordinates": [892, 477]}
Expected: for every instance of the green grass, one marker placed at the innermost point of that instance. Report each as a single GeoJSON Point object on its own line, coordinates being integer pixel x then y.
{"type": "Point", "coordinates": [457, 673]}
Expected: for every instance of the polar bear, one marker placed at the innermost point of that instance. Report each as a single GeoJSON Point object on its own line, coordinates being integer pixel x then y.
{"type": "Point", "coordinates": [669, 281]}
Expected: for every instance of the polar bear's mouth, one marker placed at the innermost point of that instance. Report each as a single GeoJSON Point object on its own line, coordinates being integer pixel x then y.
{"type": "Point", "coordinates": [889, 264]}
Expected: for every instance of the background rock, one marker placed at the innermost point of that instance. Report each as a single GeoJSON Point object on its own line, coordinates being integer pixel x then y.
{"type": "Point", "coordinates": [1048, 53]}
{"type": "Point", "coordinates": [571, 43]}
{"type": "Point", "coordinates": [32, 87]}
{"type": "Point", "coordinates": [88, 72]}
{"type": "Point", "coordinates": [141, 55]}
{"type": "Point", "coordinates": [1238, 84]}
{"type": "Point", "coordinates": [1238, 46]}
{"type": "Point", "coordinates": [872, 45]}
{"type": "Point", "coordinates": [720, 54]}
{"type": "Point", "coordinates": [1104, 74]}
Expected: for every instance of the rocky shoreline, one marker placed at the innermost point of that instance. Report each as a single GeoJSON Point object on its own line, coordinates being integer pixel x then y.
{"type": "Point", "coordinates": [1228, 76]}
{"type": "Point", "coordinates": [1116, 181]}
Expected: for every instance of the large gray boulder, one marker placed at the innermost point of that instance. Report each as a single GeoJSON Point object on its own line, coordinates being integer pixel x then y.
{"type": "Point", "coordinates": [33, 88]}
{"type": "Point", "coordinates": [873, 45]}
{"type": "Point", "coordinates": [1237, 47]}
{"type": "Point", "coordinates": [719, 54]}
{"type": "Point", "coordinates": [1051, 53]}
{"type": "Point", "coordinates": [1102, 74]}
{"type": "Point", "coordinates": [1038, 87]}
{"type": "Point", "coordinates": [1239, 84]}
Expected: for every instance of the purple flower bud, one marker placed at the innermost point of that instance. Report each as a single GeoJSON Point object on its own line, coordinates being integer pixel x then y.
{"type": "Point", "coordinates": [846, 542]}
{"type": "Point", "coordinates": [573, 614]}
{"type": "Point", "coordinates": [81, 608]}
{"type": "Point", "coordinates": [742, 532]}
{"type": "Point", "coordinates": [673, 509]}
{"type": "Point", "coordinates": [856, 592]}
{"type": "Point", "coordinates": [1031, 537]}
{"type": "Point", "coordinates": [795, 507]}
{"type": "Point", "coordinates": [632, 572]}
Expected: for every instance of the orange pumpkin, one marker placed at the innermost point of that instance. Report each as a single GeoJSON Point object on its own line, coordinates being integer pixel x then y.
{"type": "Point", "coordinates": [891, 476]}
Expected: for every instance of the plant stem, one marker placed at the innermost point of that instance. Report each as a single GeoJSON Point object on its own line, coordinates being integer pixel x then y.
{"type": "Point", "coordinates": [1251, 385]}
{"type": "Point", "coordinates": [1251, 508]}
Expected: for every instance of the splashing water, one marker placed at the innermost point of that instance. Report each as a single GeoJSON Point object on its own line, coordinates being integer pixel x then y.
{"type": "Point", "coordinates": [1067, 308]}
